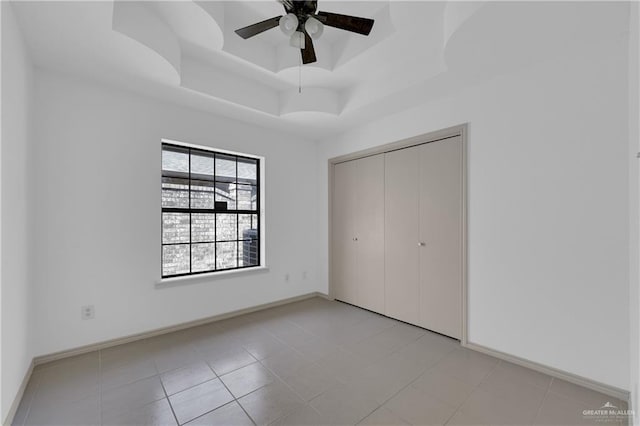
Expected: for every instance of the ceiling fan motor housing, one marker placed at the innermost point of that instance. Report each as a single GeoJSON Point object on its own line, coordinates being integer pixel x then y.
{"type": "Point", "coordinates": [305, 6]}
{"type": "Point", "coordinates": [302, 9]}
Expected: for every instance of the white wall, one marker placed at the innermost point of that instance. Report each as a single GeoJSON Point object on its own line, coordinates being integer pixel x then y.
{"type": "Point", "coordinates": [16, 133]}
{"type": "Point", "coordinates": [2, 415]}
{"type": "Point", "coordinates": [548, 207]}
{"type": "Point", "coordinates": [548, 210]}
{"type": "Point", "coordinates": [97, 166]}
{"type": "Point", "coordinates": [634, 210]}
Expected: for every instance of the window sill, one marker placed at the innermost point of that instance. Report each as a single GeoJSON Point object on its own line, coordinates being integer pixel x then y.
{"type": "Point", "coordinates": [192, 279]}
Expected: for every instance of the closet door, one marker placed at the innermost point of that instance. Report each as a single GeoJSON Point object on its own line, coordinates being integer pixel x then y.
{"type": "Point", "coordinates": [344, 260]}
{"type": "Point", "coordinates": [369, 223]}
{"type": "Point", "coordinates": [402, 293]}
{"type": "Point", "coordinates": [441, 236]}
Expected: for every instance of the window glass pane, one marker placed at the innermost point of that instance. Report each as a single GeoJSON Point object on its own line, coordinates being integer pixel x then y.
{"type": "Point", "coordinates": [175, 259]}
{"type": "Point", "coordinates": [226, 255]}
{"type": "Point", "coordinates": [248, 251]}
{"type": "Point", "coordinates": [175, 161]}
{"type": "Point", "coordinates": [226, 193]}
{"type": "Point", "coordinates": [175, 228]}
{"type": "Point", "coordinates": [202, 194]}
{"type": "Point", "coordinates": [244, 226]}
{"type": "Point", "coordinates": [225, 168]}
{"type": "Point", "coordinates": [202, 164]}
{"type": "Point", "coordinates": [247, 171]}
{"type": "Point", "coordinates": [202, 227]}
{"type": "Point", "coordinates": [247, 197]}
{"type": "Point", "coordinates": [203, 257]}
{"type": "Point", "coordinates": [226, 227]}
{"type": "Point", "coordinates": [175, 192]}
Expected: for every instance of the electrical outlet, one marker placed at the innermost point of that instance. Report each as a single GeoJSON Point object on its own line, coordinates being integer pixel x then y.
{"type": "Point", "coordinates": [304, 275]}
{"type": "Point", "coordinates": [87, 312]}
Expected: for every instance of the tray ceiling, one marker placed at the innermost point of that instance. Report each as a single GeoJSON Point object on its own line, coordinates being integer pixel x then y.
{"type": "Point", "coordinates": [187, 52]}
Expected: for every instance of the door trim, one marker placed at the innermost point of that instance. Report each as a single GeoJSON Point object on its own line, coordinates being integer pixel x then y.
{"type": "Point", "coordinates": [448, 133]}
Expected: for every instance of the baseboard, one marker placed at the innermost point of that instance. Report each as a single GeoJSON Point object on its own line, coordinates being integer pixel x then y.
{"type": "Point", "coordinates": [325, 296]}
{"type": "Point", "coordinates": [554, 372]}
{"type": "Point", "coordinates": [43, 359]}
{"type": "Point", "coordinates": [16, 401]}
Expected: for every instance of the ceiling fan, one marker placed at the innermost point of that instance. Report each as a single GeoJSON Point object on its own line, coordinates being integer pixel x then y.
{"type": "Point", "coordinates": [303, 24]}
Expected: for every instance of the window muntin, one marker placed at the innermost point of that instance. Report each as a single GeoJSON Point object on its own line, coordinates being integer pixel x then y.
{"type": "Point", "coordinates": [210, 211]}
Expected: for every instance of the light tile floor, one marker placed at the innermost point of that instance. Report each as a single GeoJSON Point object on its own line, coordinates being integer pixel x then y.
{"type": "Point", "coordinates": [313, 362]}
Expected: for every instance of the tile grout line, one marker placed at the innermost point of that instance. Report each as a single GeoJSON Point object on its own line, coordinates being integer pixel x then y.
{"type": "Point", "coordinates": [419, 375]}
{"type": "Point", "coordinates": [321, 337]}
{"type": "Point", "coordinates": [262, 387]}
{"type": "Point", "coordinates": [229, 390]}
{"type": "Point", "coordinates": [544, 399]}
{"type": "Point", "coordinates": [405, 387]}
{"type": "Point", "coordinates": [209, 412]}
{"type": "Point", "coordinates": [375, 333]}
{"type": "Point", "coordinates": [236, 399]}
{"type": "Point", "coordinates": [159, 375]}
{"type": "Point", "coordinates": [257, 361]}
{"type": "Point", "coordinates": [312, 336]}
{"type": "Point", "coordinates": [235, 369]}
{"type": "Point", "coordinates": [340, 346]}
{"type": "Point", "coordinates": [166, 395]}
{"type": "Point", "coordinates": [168, 400]}
{"type": "Point", "coordinates": [458, 410]}
{"type": "Point", "coordinates": [396, 350]}
{"type": "Point", "coordinates": [38, 390]}
{"type": "Point", "coordinates": [305, 402]}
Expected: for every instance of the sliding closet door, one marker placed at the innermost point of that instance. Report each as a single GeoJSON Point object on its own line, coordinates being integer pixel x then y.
{"type": "Point", "coordinates": [344, 205]}
{"type": "Point", "coordinates": [370, 232]}
{"type": "Point", "coordinates": [397, 243]}
{"type": "Point", "coordinates": [441, 236]}
{"type": "Point", "coordinates": [402, 294]}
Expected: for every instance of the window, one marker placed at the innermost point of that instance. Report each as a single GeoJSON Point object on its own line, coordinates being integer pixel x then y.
{"type": "Point", "coordinates": [210, 211]}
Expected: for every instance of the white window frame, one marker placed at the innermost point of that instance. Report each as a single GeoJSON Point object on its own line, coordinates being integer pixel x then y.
{"type": "Point", "coordinates": [224, 273]}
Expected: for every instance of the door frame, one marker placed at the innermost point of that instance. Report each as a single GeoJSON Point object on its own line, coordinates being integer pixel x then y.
{"type": "Point", "coordinates": [450, 132]}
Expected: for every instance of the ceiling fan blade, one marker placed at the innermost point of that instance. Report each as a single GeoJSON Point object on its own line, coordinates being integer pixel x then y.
{"type": "Point", "coordinates": [308, 53]}
{"type": "Point", "coordinates": [287, 4]}
{"type": "Point", "coordinates": [258, 28]}
{"type": "Point", "coordinates": [345, 22]}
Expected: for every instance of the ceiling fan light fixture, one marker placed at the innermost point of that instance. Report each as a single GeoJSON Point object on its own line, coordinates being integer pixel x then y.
{"type": "Point", "coordinates": [289, 23]}
{"type": "Point", "coordinates": [313, 27]}
{"type": "Point", "coordinates": [297, 40]}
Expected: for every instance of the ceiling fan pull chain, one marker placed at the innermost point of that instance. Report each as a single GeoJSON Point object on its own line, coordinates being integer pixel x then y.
{"type": "Point", "coordinates": [300, 75]}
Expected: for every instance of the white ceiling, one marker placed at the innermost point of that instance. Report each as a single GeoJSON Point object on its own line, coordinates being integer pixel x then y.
{"type": "Point", "coordinates": [186, 52]}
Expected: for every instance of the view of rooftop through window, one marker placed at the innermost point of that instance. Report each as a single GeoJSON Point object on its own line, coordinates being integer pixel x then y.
{"type": "Point", "coordinates": [210, 211]}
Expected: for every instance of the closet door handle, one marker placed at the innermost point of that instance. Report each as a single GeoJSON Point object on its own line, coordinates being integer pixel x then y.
{"type": "Point", "coordinates": [355, 238]}
{"type": "Point", "coordinates": [421, 244]}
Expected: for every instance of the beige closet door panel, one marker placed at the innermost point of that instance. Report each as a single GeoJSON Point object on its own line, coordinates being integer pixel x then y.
{"type": "Point", "coordinates": [343, 232]}
{"type": "Point", "coordinates": [370, 233]}
{"type": "Point", "coordinates": [401, 235]}
{"type": "Point", "coordinates": [441, 233]}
